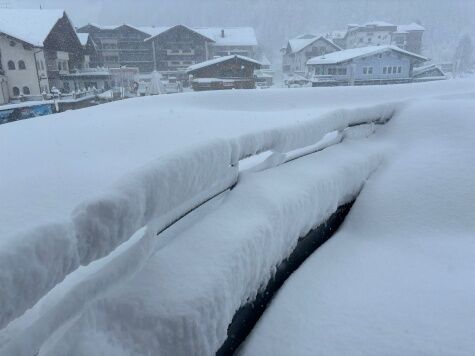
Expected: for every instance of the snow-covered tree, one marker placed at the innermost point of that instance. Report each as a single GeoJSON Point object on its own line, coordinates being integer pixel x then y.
{"type": "Point", "coordinates": [463, 59]}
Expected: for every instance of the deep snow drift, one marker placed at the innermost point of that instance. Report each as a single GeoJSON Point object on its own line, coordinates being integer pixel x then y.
{"type": "Point", "coordinates": [397, 279]}
{"type": "Point", "coordinates": [103, 173]}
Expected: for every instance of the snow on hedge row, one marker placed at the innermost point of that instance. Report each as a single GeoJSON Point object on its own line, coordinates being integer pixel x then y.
{"type": "Point", "coordinates": [184, 296]}
{"type": "Point", "coordinates": [33, 262]}
{"type": "Point", "coordinates": [60, 208]}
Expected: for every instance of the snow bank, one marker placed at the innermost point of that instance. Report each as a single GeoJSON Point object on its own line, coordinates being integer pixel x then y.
{"type": "Point", "coordinates": [186, 294]}
{"type": "Point", "coordinates": [162, 190]}
{"type": "Point", "coordinates": [398, 278]}
{"type": "Point", "coordinates": [165, 154]}
{"type": "Point", "coordinates": [33, 262]}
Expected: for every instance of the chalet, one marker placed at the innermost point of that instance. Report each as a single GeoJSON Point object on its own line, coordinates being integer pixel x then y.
{"type": "Point", "coordinates": [229, 72]}
{"type": "Point", "coordinates": [428, 73]}
{"type": "Point", "coordinates": [300, 49]}
{"type": "Point", "coordinates": [380, 33]}
{"type": "Point", "coordinates": [38, 50]}
{"type": "Point", "coordinates": [364, 66]}
{"type": "Point", "coordinates": [179, 47]}
{"type": "Point", "coordinates": [123, 45]}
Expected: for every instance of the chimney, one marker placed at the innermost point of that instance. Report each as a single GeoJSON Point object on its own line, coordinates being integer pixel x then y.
{"type": "Point", "coordinates": [222, 33]}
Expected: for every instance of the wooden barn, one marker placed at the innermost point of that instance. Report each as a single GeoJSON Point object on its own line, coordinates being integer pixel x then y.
{"type": "Point", "coordinates": [229, 72]}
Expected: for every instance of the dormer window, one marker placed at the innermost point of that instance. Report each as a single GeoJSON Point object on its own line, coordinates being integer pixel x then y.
{"type": "Point", "coordinates": [12, 43]}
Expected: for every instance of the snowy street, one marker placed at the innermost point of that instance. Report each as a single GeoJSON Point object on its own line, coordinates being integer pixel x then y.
{"type": "Point", "coordinates": [82, 270]}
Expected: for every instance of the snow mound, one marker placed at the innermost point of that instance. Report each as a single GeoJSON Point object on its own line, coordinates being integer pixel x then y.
{"type": "Point", "coordinates": [397, 279]}
{"type": "Point", "coordinates": [101, 174]}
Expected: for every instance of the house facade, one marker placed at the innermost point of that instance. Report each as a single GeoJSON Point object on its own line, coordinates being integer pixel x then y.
{"type": "Point", "coordinates": [379, 33]}
{"type": "Point", "coordinates": [300, 49]}
{"type": "Point", "coordinates": [24, 68]}
{"type": "Point", "coordinates": [169, 50]}
{"type": "Point", "coordinates": [228, 72]}
{"type": "Point", "coordinates": [122, 45]}
{"type": "Point", "coordinates": [364, 66]}
{"type": "Point", "coordinates": [178, 47]}
{"type": "Point", "coordinates": [42, 55]}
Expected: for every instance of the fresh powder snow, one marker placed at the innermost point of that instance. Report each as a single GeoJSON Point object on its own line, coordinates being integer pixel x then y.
{"type": "Point", "coordinates": [121, 172]}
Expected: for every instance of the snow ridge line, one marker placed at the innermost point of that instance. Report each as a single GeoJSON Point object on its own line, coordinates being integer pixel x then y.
{"type": "Point", "coordinates": [33, 262]}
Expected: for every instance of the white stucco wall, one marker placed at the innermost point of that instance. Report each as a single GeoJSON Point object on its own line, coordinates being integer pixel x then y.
{"type": "Point", "coordinates": [21, 78]}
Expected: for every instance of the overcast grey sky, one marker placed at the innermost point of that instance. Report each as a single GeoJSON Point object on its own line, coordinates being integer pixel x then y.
{"type": "Point", "coordinates": [276, 20]}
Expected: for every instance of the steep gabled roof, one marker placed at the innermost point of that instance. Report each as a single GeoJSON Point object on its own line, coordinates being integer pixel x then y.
{"type": "Point", "coordinates": [301, 42]}
{"type": "Point", "coordinates": [220, 60]}
{"type": "Point", "coordinates": [147, 30]}
{"type": "Point", "coordinates": [233, 36]}
{"type": "Point", "coordinates": [349, 54]}
{"type": "Point", "coordinates": [29, 25]}
{"type": "Point", "coordinates": [165, 29]}
{"type": "Point", "coordinates": [83, 38]}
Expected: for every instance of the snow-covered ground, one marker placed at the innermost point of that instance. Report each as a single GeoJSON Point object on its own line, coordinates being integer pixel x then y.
{"type": "Point", "coordinates": [397, 279]}
{"type": "Point", "coordinates": [76, 185]}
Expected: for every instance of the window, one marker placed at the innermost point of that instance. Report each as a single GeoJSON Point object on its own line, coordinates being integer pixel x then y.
{"type": "Point", "coordinates": [26, 91]}
{"type": "Point", "coordinates": [16, 91]}
{"type": "Point", "coordinates": [341, 71]}
{"type": "Point", "coordinates": [12, 43]}
{"type": "Point", "coordinates": [399, 69]}
{"type": "Point", "coordinates": [394, 70]}
{"type": "Point", "coordinates": [370, 70]}
{"type": "Point", "coordinates": [11, 65]}
{"type": "Point", "coordinates": [21, 65]}
{"type": "Point", "coordinates": [112, 59]}
{"type": "Point", "coordinates": [370, 40]}
{"type": "Point", "coordinates": [365, 70]}
{"type": "Point", "coordinates": [59, 66]}
{"type": "Point", "coordinates": [385, 70]}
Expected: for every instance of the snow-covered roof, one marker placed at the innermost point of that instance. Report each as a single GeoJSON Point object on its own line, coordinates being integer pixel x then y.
{"type": "Point", "coordinates": [411, 27]}
{"type": "Point", "coordinates": [299, 43]}
{"type": "Point", "coordinates": [349, 54]}
{"type": "Point", "coordinates": [149, 30]}
{"type": "Point", "coordinates": [219, 60]}
{"type": "Point", "coordinates": [233, 36]}
{"type": "Point", "coordinates": [423, 69]}
{"type": "Point", "coordinates": [29, 25]}
{"type": "Point", "coordinates": [264, 60]}
{"type": "Point", "coordinates": [83, 38]}
{"type": "Point", "coordinates": [378, 24]}
{"type": "Point", "coordinates": [337, 34]}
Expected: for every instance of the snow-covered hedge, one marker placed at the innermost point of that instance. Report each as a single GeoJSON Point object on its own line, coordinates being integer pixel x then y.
{"type": "Point", "coordinates": [34, 261]}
